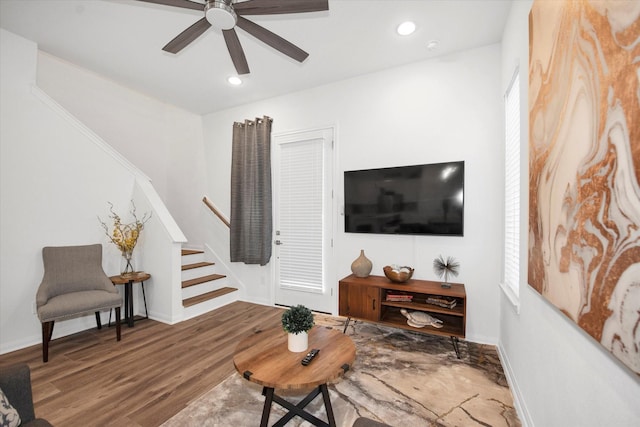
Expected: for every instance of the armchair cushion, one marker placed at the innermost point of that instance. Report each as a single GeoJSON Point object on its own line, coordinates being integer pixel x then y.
{"type": "Point", "coordinates": [15, 382]}
{"type": "Point", "coordinates": [74, 284]}
{"type": "Point", "coordinates": [74, 304]}
{"type": "Point", "coordinates": [366, 422]}
{"type": "Point", "coordinates": [72, 269]}
{"type": "Point", "coordinates": [9, 417]}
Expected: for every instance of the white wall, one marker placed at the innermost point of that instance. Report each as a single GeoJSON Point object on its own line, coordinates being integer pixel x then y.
{"type": "Point", "coordinates": [53, 184]}
{"type": "Point", "coordinates": [432, 111]}
{"type": "Point", "coordinates": [56, 179]}
{"type": "Point", "coordinates": [164, 141]}
{"type": "Point", "coordinates": [560, 376]}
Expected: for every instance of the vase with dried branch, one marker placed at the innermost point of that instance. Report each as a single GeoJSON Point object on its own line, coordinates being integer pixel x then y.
{"type": "Point", "coordinates": [125, 236]}
{"type": "Point", "coordinates": [445, 268]}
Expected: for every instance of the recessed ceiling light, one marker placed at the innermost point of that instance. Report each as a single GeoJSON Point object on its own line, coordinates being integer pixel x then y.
{"type": "Point", "coordinates": [406, 28]}
{"type": "Point", "coordinates": [234, 80]}
{"type": "Point", "coordinates": [433, 44]}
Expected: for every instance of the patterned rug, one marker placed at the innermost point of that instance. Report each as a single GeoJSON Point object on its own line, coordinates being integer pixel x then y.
{"type": "Point", "coordinates": [399, 377]}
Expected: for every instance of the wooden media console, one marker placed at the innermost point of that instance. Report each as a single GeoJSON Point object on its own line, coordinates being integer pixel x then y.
{"type": "Point", "coordinates": [379, 300]}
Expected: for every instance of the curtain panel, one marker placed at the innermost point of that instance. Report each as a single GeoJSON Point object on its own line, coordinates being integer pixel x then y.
{"type": "Point", "coordinates": [251, 201]}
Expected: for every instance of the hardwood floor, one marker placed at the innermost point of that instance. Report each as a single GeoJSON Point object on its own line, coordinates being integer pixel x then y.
{"type": "Point", "coordinates": [143, 380]}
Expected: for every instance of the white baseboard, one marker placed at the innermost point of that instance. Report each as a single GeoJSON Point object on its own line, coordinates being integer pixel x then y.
{"type": "Point", "coordinates": [481, 339]}
{"type": "Point", "coordinates": [518, 399]}
{"type": "Point", "coordinates": [61, 329]}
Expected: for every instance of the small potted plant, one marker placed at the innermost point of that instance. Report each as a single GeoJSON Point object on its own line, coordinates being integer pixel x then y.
{"type": "Point", "coordinates": [297, 321]}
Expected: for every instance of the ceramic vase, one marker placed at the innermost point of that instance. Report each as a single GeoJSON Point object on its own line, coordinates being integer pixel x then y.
{"type": "Point", "coordinates": [297, 343]}
{"type": "Point", "coordinates": [361, 267]}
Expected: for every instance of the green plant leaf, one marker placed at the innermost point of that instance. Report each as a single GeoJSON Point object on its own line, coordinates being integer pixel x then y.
{"type": "Point", "coordinates": [297, 319]}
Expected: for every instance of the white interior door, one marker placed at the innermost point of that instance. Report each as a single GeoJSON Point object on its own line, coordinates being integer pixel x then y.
{"type": "Point", "coordinates": [303, 220]}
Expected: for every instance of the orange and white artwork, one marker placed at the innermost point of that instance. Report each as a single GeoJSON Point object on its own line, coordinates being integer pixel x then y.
{"type": "Point", "coordinates": [584, 166]}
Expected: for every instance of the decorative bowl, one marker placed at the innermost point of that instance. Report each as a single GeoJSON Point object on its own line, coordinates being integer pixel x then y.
{"type": "Point", "coordinates": [398, 274]}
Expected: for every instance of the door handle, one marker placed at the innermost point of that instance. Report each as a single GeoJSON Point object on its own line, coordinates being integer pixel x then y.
{"type": "Point", "coordinates": [278, 242]}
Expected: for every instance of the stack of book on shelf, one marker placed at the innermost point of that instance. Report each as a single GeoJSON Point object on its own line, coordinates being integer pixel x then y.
{"type": "Point", "coordinates": [399, 297]}
{"type": "Point", "coordinates": [446, 302]}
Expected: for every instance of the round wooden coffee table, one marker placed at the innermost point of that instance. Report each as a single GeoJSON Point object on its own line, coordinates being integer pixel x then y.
{"type": "Point", "coordinates": [263, 358]}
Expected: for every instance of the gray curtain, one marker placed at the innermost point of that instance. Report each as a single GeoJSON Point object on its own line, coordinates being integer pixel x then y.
{"type": "Point", "coordinates": [251, 217]}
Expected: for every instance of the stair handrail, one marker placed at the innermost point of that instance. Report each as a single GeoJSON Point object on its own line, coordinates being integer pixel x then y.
{"type": "Point", "coordinates": [215, 210]}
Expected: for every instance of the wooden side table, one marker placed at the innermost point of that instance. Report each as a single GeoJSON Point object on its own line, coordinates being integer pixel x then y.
{"type": "Point", "coordinates": [263, 358]}
{"type": "Point", "coordinates": [128, 281]}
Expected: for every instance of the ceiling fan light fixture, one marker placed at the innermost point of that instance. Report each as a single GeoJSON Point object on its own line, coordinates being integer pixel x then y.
{"type": "Point", "coordinates": [220, 14]}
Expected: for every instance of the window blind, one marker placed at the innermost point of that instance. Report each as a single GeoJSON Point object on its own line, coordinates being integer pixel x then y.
{"type": "Point", "coordinates": [301, 228]}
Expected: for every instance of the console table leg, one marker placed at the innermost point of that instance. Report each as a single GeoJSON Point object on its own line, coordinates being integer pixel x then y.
{"type": "Point", "coordinates": [266, 410]}
{"type": "Point", "coordinates": [454, 341]}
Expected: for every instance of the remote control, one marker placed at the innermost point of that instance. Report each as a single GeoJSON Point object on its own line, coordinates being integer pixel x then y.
{"type": "Point", "coordinates": [309, 357]}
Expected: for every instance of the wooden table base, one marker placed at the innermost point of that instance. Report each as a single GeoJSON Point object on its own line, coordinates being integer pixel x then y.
{"type": "Point", "coordinates": [264, 358]}
{"type": "Point", "coordinates": [298, 409]}
{"type": "Point", "coordinates": [128, 281]}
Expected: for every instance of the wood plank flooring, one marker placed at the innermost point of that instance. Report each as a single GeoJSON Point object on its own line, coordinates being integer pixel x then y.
{"type": "Point", "coordinates": [143, 380]}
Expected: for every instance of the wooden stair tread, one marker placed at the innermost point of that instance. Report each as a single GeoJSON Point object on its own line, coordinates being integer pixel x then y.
{"type": "Point", "coordinates": [197, 265]}
{"type": "Point", "coordinates": [191, 252]}
{"type": "Point", "coordinates": [207, 296]}
{"type": "Point", "coordinates": [203, 279]}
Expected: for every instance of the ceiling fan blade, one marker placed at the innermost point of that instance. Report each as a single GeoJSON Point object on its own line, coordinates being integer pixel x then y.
{"type": "Point", "coordinates": [273, 7]}
{"type": "Point", "coordinates": [187, 36]}
{"type": "Point", "coordinates": [272, 39]}
{"type": "Point", "coordinates": [178, 3]}
{"type": "Point", "coordinates": [236, 51]}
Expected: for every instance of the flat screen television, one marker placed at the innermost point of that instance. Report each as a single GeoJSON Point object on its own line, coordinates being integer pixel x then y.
{"type": "Point", "coordinates": [421, 199]}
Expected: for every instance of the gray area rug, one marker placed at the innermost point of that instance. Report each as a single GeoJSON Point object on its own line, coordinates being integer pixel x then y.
{"type": "Point", "coordinates": [399, 377]}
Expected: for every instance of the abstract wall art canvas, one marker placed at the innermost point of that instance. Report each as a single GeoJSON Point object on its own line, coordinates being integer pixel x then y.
{"type": "Point", "coordinates": [584, 166]}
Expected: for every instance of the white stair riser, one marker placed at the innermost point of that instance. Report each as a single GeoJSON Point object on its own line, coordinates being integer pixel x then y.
{"type": "Point", "coordinates": [198, 272]}
{"type": "Point", "coordinates": [203, 288]}
{"type": "Point", "coordinates": [192, 259]}
{"type": "Point", "coordinates": [212, 304]}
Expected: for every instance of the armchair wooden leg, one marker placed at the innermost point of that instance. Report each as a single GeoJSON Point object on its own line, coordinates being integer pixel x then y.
{"type": "Point", "coordinates": [98, 322]}
{"type": "Point", "coordinates": [53, 322]}
{"type": "Point", "coordinates": [118, 323]}
{"type": "Point", "coordinates": [47, 333]}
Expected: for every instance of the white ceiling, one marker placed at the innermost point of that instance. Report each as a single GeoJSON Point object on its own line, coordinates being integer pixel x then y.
{"type": "Point", "coordinates": [122, 40]}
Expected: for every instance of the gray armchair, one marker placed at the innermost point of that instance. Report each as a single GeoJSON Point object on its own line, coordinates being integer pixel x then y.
{"type": "Point", "coordinates": [74, 284]}
{"type": "Point", "coordinates": [15, 382]}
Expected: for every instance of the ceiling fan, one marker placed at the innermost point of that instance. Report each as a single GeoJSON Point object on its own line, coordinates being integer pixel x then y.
{"type": "Point", "coordinates": [228, 14]}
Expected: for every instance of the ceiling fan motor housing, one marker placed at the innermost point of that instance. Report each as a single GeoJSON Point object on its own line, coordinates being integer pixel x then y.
{"type": "Point", "coordinates": [220, 14]}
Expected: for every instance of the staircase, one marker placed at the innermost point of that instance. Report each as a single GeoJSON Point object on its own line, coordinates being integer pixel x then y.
{"type": "Point", "coordinates": [203, 289]}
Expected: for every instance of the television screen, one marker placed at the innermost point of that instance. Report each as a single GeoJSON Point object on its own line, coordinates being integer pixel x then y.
{"type": "Point", "coordinates": [422, 199]}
